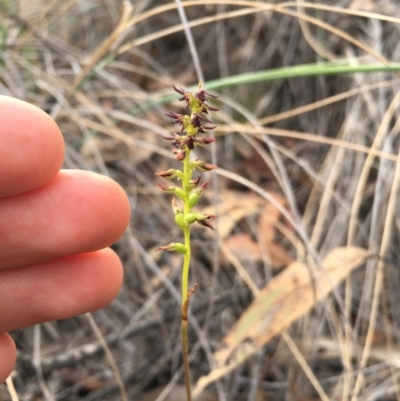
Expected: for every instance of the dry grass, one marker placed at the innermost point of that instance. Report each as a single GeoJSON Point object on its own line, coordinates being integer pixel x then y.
{"type": "Point", "coordinates": [328, 144]}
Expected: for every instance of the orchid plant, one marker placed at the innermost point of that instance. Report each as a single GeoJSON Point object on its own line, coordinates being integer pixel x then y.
{"type": "Point", "coordinates": [189, 192]}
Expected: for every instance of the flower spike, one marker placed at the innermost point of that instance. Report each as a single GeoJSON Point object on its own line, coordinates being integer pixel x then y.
{"type": "Point", "coordinates": [192, 125]}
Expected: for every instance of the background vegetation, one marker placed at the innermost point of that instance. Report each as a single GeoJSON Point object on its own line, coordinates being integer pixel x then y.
{"type": "Point", "coordinates": [308, 159]}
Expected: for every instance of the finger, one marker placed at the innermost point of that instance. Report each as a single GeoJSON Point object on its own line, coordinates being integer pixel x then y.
{"type": "Point", "coordinates": [58, 289]}
{"type": "Point", "coordinates": [8, 356]}
{"type": "Point", "coordinates": [31, 147]}
{"type": "Point", "coordinates": [76, 212]}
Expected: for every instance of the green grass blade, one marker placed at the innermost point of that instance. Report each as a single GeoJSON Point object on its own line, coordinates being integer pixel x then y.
{"type": "Point", "coordinates": [292, 72]}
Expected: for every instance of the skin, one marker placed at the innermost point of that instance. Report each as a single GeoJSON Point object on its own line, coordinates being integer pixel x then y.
{"type": "Point", "coordinates": [55, 226]}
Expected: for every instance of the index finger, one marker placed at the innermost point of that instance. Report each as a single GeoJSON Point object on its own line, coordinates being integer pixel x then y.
{"type": "Point", "coordinates": [31, 147]}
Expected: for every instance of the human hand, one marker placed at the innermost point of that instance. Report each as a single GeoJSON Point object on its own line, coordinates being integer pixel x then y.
{"type": "Point", "coordinates": [54, 227]}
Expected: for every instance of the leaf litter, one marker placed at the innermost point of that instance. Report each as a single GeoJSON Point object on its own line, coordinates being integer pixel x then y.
{"type": "Point", "coordinates": [286, 298]}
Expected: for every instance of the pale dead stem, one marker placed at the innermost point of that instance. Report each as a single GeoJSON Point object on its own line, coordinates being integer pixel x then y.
{"type": "Point", "coordinates": [337, 32]}
{"type": "Point", "coordinates": [106, 46]}
{"type": "Point", "coordinates": [327, 101]}
{"type": "Point", "coordinates": [305, 137]}
{"type": "Point", "coordinates": [190, 41]}
{"type": "Point", "coordinates": [331, 162]}
{"type": "Point", "coordinates": [109, 355]}
{"type": "Point", "coordinates": [385, 236]}
{"type": "Point", "coordinates": [254, 7]}
{"type": "Point", "coordinates": [42, 17]}
{"type": "Point", "coordinates": [37, 363]}
{"type": "Point", "coordinates": [311, 40]}
{"type": "Point", "coordinates": [358, 197]}
{"type": "Point", "coordinates": [11, 389]}
{"type": "Point", "coordinates": [390, 349]}
{"type": "Point", "coordinates": [262, 7]}
{"type": "Point", "coordinates": [362, 182]}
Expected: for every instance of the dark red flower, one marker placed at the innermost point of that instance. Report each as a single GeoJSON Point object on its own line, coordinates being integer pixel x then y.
{"type": "Point", "coordinates": [180, 119]}
{"type": "Point", "coordinates": [203, 219]}
{"type": "Point", "coordinates": [168, 174]}
{"type": "Point", "coordinates": [201, 94]}
{"type": "Point", "coordinates": [203, 166]}
{"type": "Point", "coordinates": [171, 138]}
{"type": "Point", "coordinates": [195, 183]}
{"type": "Point", "coordinates": [180, 155]}
{"type": "Point", "coordinates": [166, 188]}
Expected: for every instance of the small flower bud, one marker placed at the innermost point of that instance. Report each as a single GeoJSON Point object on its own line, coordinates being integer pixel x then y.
{"type": "Point", "coordinates": [190, 217]}
{"type": "Point", "coordinates": [192, 130]}
{"type": "Point", "coordinates": [169, 189]}
{"type": "Point", "coordinates": [175, 137]}
{"type": "Point", "coordinates": [208, 127]}
{"type": "Point", "coordinates": [208, 107]}
{"type": "Point", "coordinates": [202, 188]}
{"type": "Point", "coordinates": [180, 220]}
{"type": "Point", "coordinates": [193, 199]}
{"type": "Point", "coordinates": [173, 246]}
{"type": "Point", "coordinates": [198, 121]}
{"type": "Point", "coordinates": [168, 174]}
{"type": "Point", "coordinates": [201, 94]}
{"type": "Point", "coordinates": [197, 106]}
{"type": "Point", "coordinates": [172, 190]}
{"type": "Point", "coordinates": [195, 183]}
{"type": "Point", "coordinates": [202, 219]}
{"type": "Point", "coordinates": [195, 195]}
{"type": "Point", "coordinates": [181, 91]}
{"type": "Point", "coordinates": [204, 141]}
{"type": "Point", "coordinates": [189, 142]}
{"type": "Point", "coordinates": [203, 166]}
{"type": "Point", "coordinates": [180, 193]}
{"type": "Point", "coordinates": [207, 141]}
{"type": "Point", "coordinates": [180, 119]}
{"type": "Point", "coordinates": [172, 114]}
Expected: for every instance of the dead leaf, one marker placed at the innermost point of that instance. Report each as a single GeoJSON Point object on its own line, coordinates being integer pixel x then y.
{"type": "Point", "coordinates": [286, 298]}
{"type": "Point", "coordinates": [270, 218]}
{"type": "Point", "coordinates": [278, 255]}
{"type": "Point", "coordinates": [233, 207]}
{"type": "Point", "coordinates": [244, 247]}
{"type": "Point", "coordinates": [90, 383]}
{"type": "Point", "coordinates": [253, 161]}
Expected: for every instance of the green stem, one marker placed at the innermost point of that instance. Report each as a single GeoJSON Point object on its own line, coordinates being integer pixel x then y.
{"type": "Point", "coordinates": [342, 67]}
{"type": "Point", "coordinates": [185, 280]}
